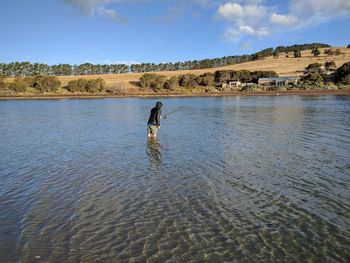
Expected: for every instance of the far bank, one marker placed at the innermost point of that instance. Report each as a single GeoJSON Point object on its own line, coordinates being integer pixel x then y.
{"type": "Point", "coordinates": [345, 92]}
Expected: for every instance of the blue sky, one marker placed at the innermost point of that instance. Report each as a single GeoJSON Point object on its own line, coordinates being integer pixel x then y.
{"type": "Point", "coordinates": [117, 31]}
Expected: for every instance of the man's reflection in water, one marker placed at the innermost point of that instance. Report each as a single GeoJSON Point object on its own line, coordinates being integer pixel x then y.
{"type": "Point", "coordinates": [153, 151]}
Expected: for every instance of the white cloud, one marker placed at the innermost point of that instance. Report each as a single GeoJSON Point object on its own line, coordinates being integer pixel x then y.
{"type": "Point", "coordinates": [313, 12]}
{"type": "Point", "coordinates": [111, 13]}
{"type": "Point", "coordinates": [232, 35]}
{"type": "Point", "coordinates": [230, 10]}
{"type": "Point", "coordinates": [262, 32]}
{"type": "Point", "coordinates": [307, 8]}
{"type": "Point", "coordinates": [246, 19]}
{"type": "Point", "coordinates": [284, 20]}
{"type": "Point", "coordinates": [178, 7]}
{"type": "Point", "coordinates": [246, 29]}
{"type": "Point", "coordinates": [203, 3]}
{"type": "Point", "coordinates": [256, 18]}
{"type": "Point", "coordinates": [233, 11]}
{"type": "Point", "coordinates": [108, 12]}
{"type": "Point", "coordinates": [88, 7]}
{"type": "Point", "coordinates": [254, 11]}
{"type": "Point", "coordinates": [98, 7]}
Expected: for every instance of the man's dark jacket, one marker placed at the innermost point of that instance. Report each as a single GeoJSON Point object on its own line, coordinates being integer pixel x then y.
{"type": "Point", "coordinates": [154, 118]}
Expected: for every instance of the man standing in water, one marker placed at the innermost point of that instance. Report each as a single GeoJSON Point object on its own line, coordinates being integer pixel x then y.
{"type": "Point", "coordinates": [154, 121]}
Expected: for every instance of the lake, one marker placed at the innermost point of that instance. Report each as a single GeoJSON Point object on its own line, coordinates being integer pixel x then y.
{"type": "Point", "coordinates": [229, 179]}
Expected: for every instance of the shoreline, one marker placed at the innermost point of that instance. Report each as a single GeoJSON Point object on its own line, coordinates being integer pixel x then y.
{"type": "Point", "coordinates": [171, 95]}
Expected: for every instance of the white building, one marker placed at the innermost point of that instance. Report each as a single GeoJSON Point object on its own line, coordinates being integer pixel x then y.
{"type": "Point", "coordinates": [278, 81]}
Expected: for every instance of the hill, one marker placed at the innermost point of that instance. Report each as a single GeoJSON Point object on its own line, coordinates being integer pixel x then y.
{"type": "Point", "coordinates": [284, 66]}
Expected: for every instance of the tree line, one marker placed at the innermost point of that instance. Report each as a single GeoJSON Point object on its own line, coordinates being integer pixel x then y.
{"type": "Point", "coordinates": [159, 82]}
{"type": "Point", "coordinates": [315, 51]}
{"type": "Point", "coordinates": [318, 74]}
{"type": "Point", "coordinates": [292, 48]}
{"type": "Point", "coordinates": [35, 69]}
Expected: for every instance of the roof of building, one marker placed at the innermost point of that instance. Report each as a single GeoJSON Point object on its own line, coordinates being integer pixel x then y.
{"type": "Point", "coordinates": [279, 78]}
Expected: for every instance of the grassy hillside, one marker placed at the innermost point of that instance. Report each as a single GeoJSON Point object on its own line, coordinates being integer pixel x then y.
{"type": "Point", "coordinates": [283, 66]}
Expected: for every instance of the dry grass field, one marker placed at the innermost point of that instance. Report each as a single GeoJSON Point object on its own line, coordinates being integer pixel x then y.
{"type": "Point", "coordinates": [283, 66]}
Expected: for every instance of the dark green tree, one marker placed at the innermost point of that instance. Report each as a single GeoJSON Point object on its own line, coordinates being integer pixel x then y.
{"type": "Point", "coordinates": [46, 83]}
{"type": "Point", "coordinates": [329, 52]}
{"type": "Point", "coordinates": [315, 51]}
{"type": "Point", "coordinates": [314, 67]}
{"type": "Point", "coordinates": [95, 85]}
{"type": "Point", "coordinates": [342, 74]}
{"type": "Point", "coordinates": [78, 85]}
{"type": "Point", "coordinates": [262, 74]}
{"type": "Point", "coordinates": [297, 53]}
{"type": "Point", "coordinates": [172, 83]}
{"type": "Point", "coordinates": [153, 81]}
{"type": "Point", "coordinates": [222, 76]}
{"type": "Point", "coordinates": [312, 78]}
{"type": "Point", "coordinates": [242, 75]}
{"type": "Point", "coordinates": [207, 79]}
{"type": "Point", "coordinates": [263, 53]}
{"type": "Point", "coordinates": [189, 80]}
{"type": "Point", "coordinates": [276, 54]}
{"type": "Point", "coordinates": [337, 52]}
{"type": "Point", "coordinates": [330, 66]}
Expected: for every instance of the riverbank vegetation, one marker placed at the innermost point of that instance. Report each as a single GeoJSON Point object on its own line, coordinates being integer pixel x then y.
{"type": "Point", "coordinates": [316, 76]}
{"type": "Point", "coordinates": [49, 85]}
{"type": "Point", "coordinates": [201, 82]}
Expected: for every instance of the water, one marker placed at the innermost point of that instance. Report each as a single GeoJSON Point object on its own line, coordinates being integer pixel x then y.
{"type": "Point", "coordinates": [236, 179]}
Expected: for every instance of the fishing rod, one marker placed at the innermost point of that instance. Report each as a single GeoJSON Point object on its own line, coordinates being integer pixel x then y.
{"type": "Point", "coordinates": [166, 116]}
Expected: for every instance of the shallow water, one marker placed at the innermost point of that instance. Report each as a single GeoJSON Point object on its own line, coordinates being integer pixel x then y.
{"type": "Point", "coordinates": [236, 179]}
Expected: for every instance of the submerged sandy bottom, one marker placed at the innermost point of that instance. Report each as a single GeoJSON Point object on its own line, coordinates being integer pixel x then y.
{"type": "Point", "coordinates": [230, 179]}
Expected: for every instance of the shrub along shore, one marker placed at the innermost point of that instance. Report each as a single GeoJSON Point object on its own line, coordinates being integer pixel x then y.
{"type": "Point", "coordinates": [317, 77]}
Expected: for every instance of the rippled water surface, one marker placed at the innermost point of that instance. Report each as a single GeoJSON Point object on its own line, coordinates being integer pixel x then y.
{"type": "Point", "coordinates": [237, 179]}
